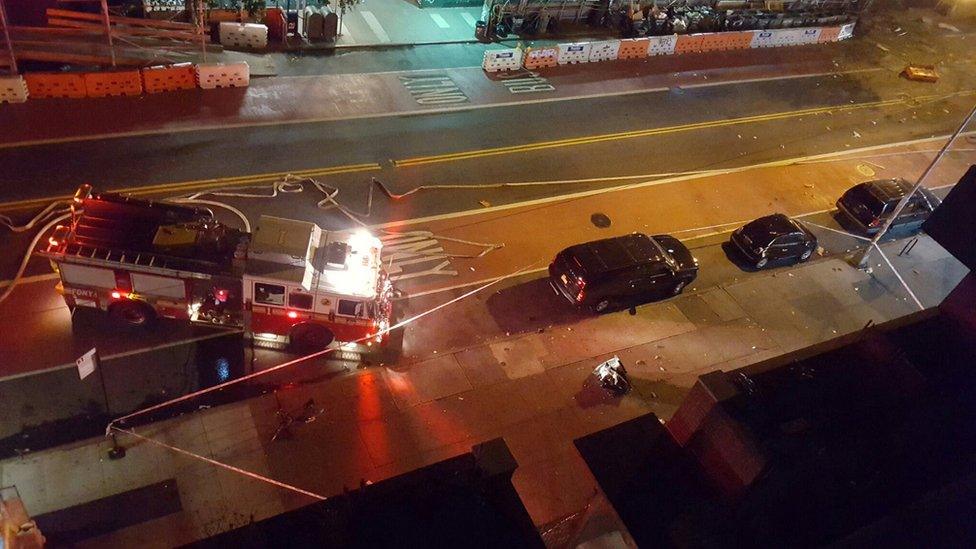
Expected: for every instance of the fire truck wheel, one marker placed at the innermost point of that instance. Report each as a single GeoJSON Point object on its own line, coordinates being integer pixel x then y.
{"type": "Point", "coordinates": [132, 313]}
{"type": "Point", "coordinates": [310, 337]}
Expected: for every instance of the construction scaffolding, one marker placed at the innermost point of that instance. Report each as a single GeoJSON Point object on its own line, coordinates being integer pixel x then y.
{"type": "Point", "coordinates": [88, 38]}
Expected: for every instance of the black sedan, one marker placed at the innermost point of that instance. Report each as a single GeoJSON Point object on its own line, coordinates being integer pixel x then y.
{"type": "Point", "coordinates": [775, 237]}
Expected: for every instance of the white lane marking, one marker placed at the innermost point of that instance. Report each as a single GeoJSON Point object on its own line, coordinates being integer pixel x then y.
{"type": "Point", "coordinates": [440, 21]}
{"type": "Point", "coordinates": [374, 24]}
{"type": "Point", "coordinates": [313, 120]}
{"type": "Point", "coordinates": [30, 279]}
{"type": "Point", "coordinates": [346, 35]}
{"type": "Point", "coordinates": [900, 279]}
{"type": "Point", "coordinates": [772, 78]}
{"type": "Point", "coordinates": [401, 250]}
{"type": "Point", "coordinates": [663, 181]}
{"type": "Point", "coordinates": [469, 19]}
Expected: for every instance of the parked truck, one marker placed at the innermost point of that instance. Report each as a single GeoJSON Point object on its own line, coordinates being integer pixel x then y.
{"type": "Point", "coordinates": [287, 283]}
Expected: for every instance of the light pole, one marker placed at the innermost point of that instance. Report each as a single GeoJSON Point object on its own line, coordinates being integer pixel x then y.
{"type": "Point", "coordinates": [861, 258]}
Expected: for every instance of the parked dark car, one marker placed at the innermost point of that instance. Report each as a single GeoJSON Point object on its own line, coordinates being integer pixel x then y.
{"type": "Point", "coordinates": [635, 268]}
{"type": "Point", "coordinates": [774, 238]}
{"type": "Point", "coordinates": [865, 207]}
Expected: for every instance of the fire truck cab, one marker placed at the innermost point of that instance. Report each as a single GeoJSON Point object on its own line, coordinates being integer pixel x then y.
{"type": "Point", "coordinates": [289, 282]}
{"type": "Point", "coordinates": [309, 286]}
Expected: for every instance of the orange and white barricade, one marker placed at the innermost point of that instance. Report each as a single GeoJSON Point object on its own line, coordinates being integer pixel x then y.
{"type": "Point", "coordinates": [764, 39]}
{"type": "Point", "coordinates": [846, 31]}
{"type": "Point", "coordinates": [828, 34]}
{"type": "Point", "coordinates": [537, 58]}
{"type": "Point", "coordinates": [220, 75]}
{"type": "Point", "coordinates": [604, 50]}
{"type": "Point", "coordinates": [633, 48]}
{"type": "Point", "coordinates": [509, 59]}
{"type": "Point", "coordinates": [13, 89]}
{"type": "Point", "coordinates": [689, 43]}
{"type": "Point", "coordinates": [165, 78]}
{"type": "Point", "coordinates": [739, 40]}
{"type": "Point", "coordinates": [713, 41]}
{"type": "Point", "coordinates": [248, 35]}
{"type": "Point", "coordinates": [47, 85]}
{"type": "Point", "coordinates": [661, 45]}
{"type": "Point", "coordinates": [809, 36]}
{"type": "Point", "coordinates": [577, 52]}
{"type": "Point", "coordinates": [108, 84]}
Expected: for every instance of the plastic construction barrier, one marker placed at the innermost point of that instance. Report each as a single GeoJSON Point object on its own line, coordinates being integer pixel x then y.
{"type": "Point", "coordinates": [661, 45]}
{"type": "Point", "coordinates": [509, 59]}
{"type": "Point", "coordinates": [578, 52]}
{"type": "Point", "coordinates": [740, 40]}
{"type": "Point", "coordinates": [537, 58]}
{"type": "Point", "coordinates": [764, 39]}
{"type": "Point", "coordinates": [106, 84]}
{"type": "Point", "coordinates": [846, 31]}
{"type": "Point", "coordinates": [604, 50]}
{"type": "Point", "coordinates": [249, 35]}
{"type": "Point", "coordinates": [51, 85]}
{"type": "Point", "coordinates": [828, 34]}
{"type": "Point", "coordinates": [218, 75]}
{"type": "Point", "coordinates": [633, 48]}
{"type": "Point", "coordinates": [689, 43]}
{"type": "Point", "coordinates": [809, 36]}
{"type": "Point", "coordinates": [715, 41]}
{"type": "Point", "coordinates": [166, 78]}
{"type": "Point", "coordinates": [13, 89]}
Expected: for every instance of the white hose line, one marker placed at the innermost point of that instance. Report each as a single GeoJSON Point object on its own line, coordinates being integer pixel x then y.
{"type": "Point", "coordinates": [23, 263]}
{"type": "Point", "coordinates": [240, 214]}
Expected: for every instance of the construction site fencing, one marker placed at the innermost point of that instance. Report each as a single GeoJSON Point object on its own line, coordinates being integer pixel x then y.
{"type": "Point", "coordinates": [508, 59]}
{"type": "Point", "coordinates": [537, 58]}
{"type": "Point", "coordinates": [637, 48]}
{"type": "Point", "coordinates": [114, 83]}
{"type": "Point", "coordinates": [223, 75]}
{"type": "Point", "coordinates": [244, 35]}
{"type": "Point", "coordinates": [166, 78]}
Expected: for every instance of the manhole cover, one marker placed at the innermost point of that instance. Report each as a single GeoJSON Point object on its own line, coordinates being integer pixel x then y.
{"type": "Point", "coordinates": [865, 170]}
{"type": "Point", "coordinates": [600, 220]}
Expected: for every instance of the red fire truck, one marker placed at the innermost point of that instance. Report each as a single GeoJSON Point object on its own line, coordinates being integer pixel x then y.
{"type": "Point", "coordinates": [288, 282]}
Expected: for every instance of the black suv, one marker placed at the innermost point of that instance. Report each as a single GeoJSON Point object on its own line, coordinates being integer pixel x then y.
{"type": "Point", "coordinates": [774, 238]}
{"type": "Point", "coordinates": [866, 206]}
{"type": "Point", "coordinates": [627, 269]}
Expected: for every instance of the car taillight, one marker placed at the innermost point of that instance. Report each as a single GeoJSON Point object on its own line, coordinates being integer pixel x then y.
{"type": "Point", "coordinates": [875, 223]}
{"type": "Point", "coordinates": [117, 294]}
{"type": "Point", "coordinates": [579, 296]}
{"type": "Point", "coordinates": [292, 314]}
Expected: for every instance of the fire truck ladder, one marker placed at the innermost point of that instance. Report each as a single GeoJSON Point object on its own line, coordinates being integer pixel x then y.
{"type": "Point", "coordinates": [186, 267]}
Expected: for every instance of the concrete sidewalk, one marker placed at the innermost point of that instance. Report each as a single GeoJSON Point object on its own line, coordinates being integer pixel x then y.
{"type": "Point", "coordinates": [394, 22]}
{"type": "Point", "coordinates": [533, 388]}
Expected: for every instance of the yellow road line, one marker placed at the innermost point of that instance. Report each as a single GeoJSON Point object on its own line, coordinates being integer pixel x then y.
{"type": "Point", "coordinates": [586, 140]}
{"type": "Point", "coordinates": [201, 184]}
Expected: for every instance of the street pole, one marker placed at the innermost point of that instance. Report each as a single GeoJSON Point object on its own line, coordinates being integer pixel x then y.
{"type": "Point", "coordinates": [108, 29]}
{"type": "Point", "coordinates": [861, 259]}
{"type": "Point", "coordinates": [6, 38]}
